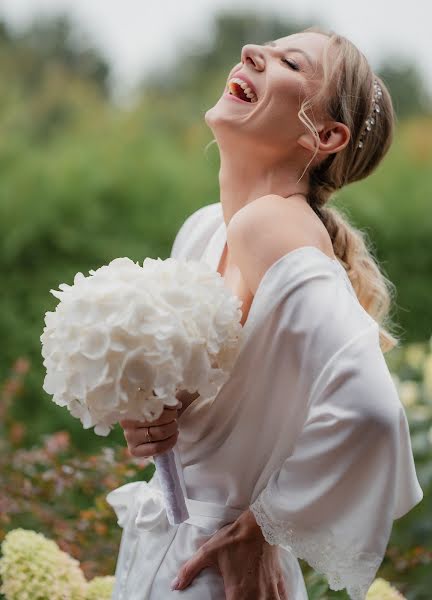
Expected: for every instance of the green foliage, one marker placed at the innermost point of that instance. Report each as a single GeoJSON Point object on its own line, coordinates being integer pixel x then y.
{"type": "Point", "coordinates": [49, 43]}
{"type": "Point", "coordinates": [83, 182]}
{"type": "Point", "coordinates": [407, 88]}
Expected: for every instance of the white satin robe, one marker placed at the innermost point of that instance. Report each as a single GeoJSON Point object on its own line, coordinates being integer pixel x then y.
{"type": "Point", "coordinates": [308, 431]}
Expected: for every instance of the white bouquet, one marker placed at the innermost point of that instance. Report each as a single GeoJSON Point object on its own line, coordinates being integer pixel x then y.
{"type": "Point", "coordinates": [125, 339]}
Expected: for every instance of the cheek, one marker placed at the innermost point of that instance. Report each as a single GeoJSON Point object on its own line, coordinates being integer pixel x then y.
{"type": "Point", "coordinates": [287, 95]}
{"type": "Point", "coordinates": [279, 119]}
{"type": "Point", "coordinates": [283, 108]}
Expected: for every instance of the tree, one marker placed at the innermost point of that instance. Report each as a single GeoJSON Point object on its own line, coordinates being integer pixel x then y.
{"type": "Point", "coordinates": [406, 87]}
{"type": "Point", "coordinates": [51, 75]}
{"type": "Point", "coordinates": [51, 42]}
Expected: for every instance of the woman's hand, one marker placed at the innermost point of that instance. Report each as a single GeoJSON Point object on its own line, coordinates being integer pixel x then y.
{"type": "Point", "coordinates": [249, 565]}
{"type": "Point", "coordinates": [163, 433]}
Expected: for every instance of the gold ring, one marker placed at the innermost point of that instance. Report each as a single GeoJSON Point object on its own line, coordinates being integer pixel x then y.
{"type": "Point", "coordinates": [148, 435]}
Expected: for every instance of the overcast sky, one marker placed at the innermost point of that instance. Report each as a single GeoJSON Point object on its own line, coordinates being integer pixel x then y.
{"type": "Point", "coordinates": [138, 34]}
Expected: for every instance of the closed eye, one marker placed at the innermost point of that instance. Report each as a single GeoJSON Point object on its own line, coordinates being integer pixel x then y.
{"type": "Point", "coordinates": [291, 63]}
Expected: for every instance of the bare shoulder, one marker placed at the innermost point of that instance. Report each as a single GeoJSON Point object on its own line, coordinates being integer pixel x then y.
{"type": "Point", "coordinates": [270, 227]}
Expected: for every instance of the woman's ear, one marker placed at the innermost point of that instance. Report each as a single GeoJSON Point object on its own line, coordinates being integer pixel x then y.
{"type": "Point", "coordinates": [334, 136]}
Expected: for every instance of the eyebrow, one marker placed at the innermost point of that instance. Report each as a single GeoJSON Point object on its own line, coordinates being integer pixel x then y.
{"type": "Point", "coordinates": [305, 54]}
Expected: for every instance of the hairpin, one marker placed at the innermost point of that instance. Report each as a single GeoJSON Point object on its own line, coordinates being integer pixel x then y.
{"type": "Point", "coordinates": [373, 114]}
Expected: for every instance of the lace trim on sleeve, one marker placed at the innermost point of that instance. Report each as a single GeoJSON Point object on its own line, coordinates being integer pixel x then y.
{"type": "Point", "coordinates": [342, 565]}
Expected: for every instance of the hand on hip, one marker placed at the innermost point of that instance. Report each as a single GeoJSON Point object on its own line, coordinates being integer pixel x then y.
{"type": "Point", "coordinates": [249, 565]}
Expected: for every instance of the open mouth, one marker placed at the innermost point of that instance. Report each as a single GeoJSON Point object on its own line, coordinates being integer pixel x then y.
{"type": "Point", "coordinates": [237, 87]}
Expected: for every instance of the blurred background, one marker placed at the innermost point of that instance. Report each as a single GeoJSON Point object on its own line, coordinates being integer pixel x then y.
{"type": "Point", "coordinates": [102, 154]}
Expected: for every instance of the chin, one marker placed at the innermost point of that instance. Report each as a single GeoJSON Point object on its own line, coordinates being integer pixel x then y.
{"type": "Point", "coordinates": [208, 116]}
{"type": "Point", "coordinates": [214, 115]}
{"type": "Point", "coordinates": [219, 115]}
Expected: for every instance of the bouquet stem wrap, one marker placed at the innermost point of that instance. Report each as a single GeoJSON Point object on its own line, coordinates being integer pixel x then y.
{"type": "Point", "coordinates": [171, 486]}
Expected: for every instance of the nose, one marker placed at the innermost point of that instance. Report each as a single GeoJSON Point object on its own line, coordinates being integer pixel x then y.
{"type": "Point", "coordinates": [253, 54]}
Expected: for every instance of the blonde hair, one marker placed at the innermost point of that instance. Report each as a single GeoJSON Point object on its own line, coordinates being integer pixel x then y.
{"type": "Point", "coordinates": [347, 96]}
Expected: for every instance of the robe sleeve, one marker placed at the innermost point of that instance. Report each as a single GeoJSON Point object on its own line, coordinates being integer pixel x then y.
{"type": "Point", "coordinates": [351, 472]}
{"type": "Point", "coordinates": [183, 233]}
{"type": "Point", "coordinates": [192, 237]}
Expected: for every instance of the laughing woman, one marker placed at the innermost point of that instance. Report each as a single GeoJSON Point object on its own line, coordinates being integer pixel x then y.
{"type": "Point", "coordinates": [305, 452]}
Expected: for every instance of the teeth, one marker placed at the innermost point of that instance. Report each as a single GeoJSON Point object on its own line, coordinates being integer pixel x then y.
{"type": "Point", "coordinates": [249, 93]}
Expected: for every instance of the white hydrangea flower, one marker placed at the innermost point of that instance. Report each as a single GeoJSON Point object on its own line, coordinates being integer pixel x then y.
{"type": "Point", "coordinates": [167, 325]}
{"type": "Point", "coordinates": [34, 568]}
{"type": "Point", "coordinates": [415, 353]}
{"type": "Point", "coordinates": [382, 590]}
{"type": "Point", "coordinates": [100, 588]}
{"type": "Point", "coordinates": [409, 392]}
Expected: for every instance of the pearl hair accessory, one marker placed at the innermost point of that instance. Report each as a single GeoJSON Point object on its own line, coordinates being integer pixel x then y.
{"type": "Point", "coordinates": [373, 114]}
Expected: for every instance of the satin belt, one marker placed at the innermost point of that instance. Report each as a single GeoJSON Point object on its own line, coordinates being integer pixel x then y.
{"type": "Point", "coordinates": [143, 503]}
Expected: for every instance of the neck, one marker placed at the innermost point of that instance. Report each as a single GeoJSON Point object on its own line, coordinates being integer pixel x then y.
{"type": "Point", "coordinates": [243, 180]}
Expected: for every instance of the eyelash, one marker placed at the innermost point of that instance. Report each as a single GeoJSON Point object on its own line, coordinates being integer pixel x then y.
{"type": "Point", "coordinates": [291, 64]}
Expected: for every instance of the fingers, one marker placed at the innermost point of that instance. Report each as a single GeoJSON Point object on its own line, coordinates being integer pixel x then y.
{"type": "Point", "coordinates": [163, 433]}
{"type": "Point", "coordinates": [153, 448]}
{"type": "Point", "coordinates": [191, 569]}
{"type": "Point", "coordinates": [282, 590]}
{"type": "Point", "coordinates": [162, 438]}
{"type": "Point", "coordinates": [158, 433]}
